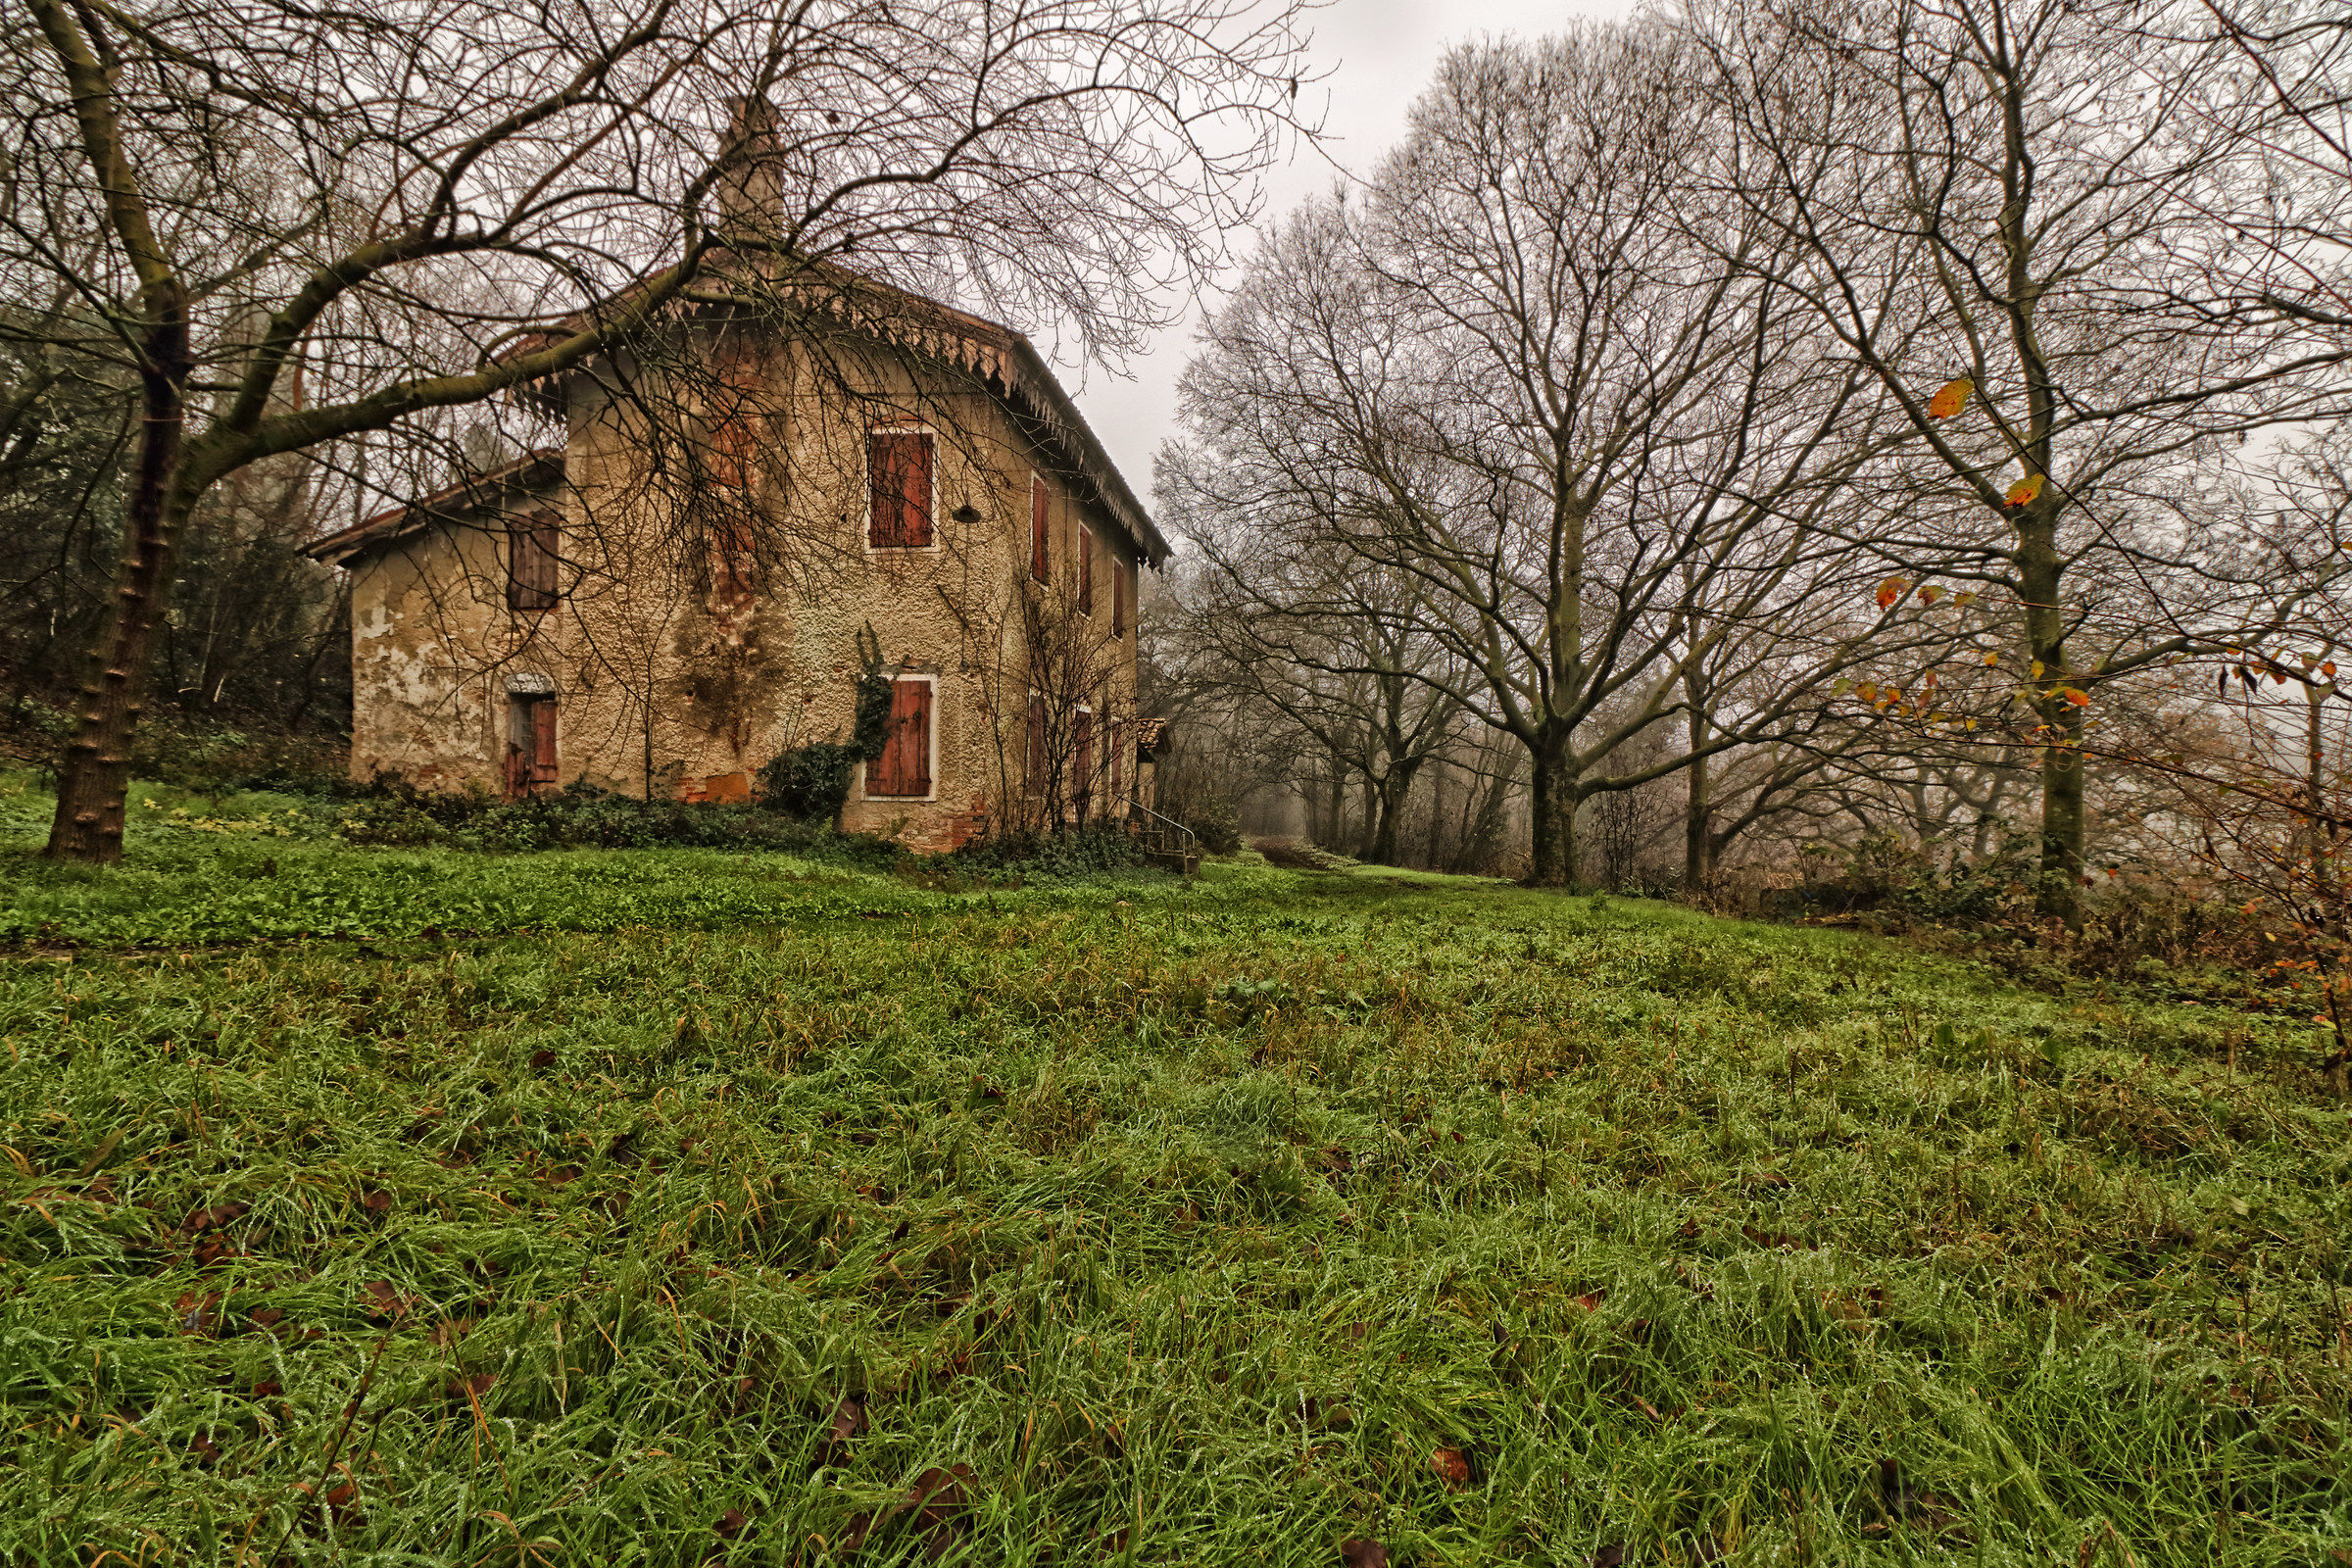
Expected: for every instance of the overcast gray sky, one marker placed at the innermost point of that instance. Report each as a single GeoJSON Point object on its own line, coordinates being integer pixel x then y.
{"type": "Point", "coordinates": [1376, 56]}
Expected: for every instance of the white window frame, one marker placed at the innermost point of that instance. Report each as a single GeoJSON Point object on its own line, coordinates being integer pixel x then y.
{"type": "Point", "coordinates": [866, 469]}
{"type": "Point", "coordinates": [932, 741]}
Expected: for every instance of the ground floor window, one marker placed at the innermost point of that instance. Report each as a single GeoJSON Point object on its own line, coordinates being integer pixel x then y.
{"type": "Point", "coordinates": [530, 743]}
{"type": "Point", "coordinates": [905, 766]}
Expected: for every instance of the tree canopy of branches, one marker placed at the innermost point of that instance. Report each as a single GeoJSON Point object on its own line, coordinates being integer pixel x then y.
{"type": "Point", "coordinates": [1539, 374]}
{"type": "Point", "coordinates": [2033, 224]}
{"type": "Point", "coordinates": [283, 232]}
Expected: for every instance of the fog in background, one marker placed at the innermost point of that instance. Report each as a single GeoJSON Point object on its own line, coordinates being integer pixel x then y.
{"type": "Point", "coordinates": [1374, 56]}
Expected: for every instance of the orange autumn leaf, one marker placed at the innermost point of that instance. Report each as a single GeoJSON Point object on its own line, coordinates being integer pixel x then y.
{"type": "Point", "coordinates": [2024, 491]}
{"type": "Point", "coordinates": [1889, 591]}
{"type": "Point", "coordinates": [2076, 697]}
{"type": "Point", "coordinates": [1952, 398]}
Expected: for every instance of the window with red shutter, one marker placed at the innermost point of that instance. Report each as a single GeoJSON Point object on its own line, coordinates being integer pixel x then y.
{"type": "Point", "coordinates": [1039, 564]}
{"type": "Point", "coordinates": [532, 545]}
{"type": "Point", "coordinates": [531, 759]}
{"type": "Point", "coordinates": [1086, 573]}
{"type": "Point", "coordinates": [898, 483]}
{"type": "Point", "coordinates": [905, 766]}
{"type": "Point", "coordinates": [543, 741]}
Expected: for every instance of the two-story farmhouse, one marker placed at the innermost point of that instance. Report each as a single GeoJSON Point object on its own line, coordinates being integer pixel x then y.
{"type": "Point", "coordinates": [799, 494]}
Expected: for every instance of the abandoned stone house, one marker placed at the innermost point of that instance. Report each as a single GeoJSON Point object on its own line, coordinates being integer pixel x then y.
{"type": "Point", "coordinates": [746, 526]}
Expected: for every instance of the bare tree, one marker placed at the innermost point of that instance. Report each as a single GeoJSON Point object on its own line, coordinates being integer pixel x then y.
{"type": "Point", "coordinates": [432, 208]}
{"type": "Point", "coordinates": [1320, 642]}
{"type": "Point", "coordinates": [1600, 449]}
{"type": "Point", "coordinates": [2001, 210]}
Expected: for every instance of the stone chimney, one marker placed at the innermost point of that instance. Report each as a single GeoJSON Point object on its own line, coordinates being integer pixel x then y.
{"type": "Point", "coordinates": [748, 192]}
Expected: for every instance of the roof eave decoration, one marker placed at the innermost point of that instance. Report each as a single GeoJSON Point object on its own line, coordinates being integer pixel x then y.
{"type": "Point", "coordinates": [1002, 360]}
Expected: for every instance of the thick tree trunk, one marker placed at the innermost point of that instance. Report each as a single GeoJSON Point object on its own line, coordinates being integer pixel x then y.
{"type": "Point", "coordinates": [1557, 797]}
{"type": "Point", "coordinates": [1699, 839]}
{"type": "Point", "coordinates": [2059, 895]}
{"type": "Point", "coordinates": [1336, 806]}
{"type": "Point", "coordinates": [94, 776]}
{"type": "Point", "coordinates": [1394, 791]}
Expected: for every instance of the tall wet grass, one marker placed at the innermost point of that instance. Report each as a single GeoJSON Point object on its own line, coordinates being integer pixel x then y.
{"type": "Point", "coordinates": [1219, 1225]}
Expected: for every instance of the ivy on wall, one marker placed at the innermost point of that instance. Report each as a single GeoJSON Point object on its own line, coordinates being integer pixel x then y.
{"type": "Point", "coordinates": [812, 781]}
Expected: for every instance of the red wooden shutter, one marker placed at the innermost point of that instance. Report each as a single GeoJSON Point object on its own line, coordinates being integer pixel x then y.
{"type": "Point", "coordinates": [543, 741]}
{"type": "Point", "coordinates": [905, 766]}
{"type": "Point", "coordinates": [898, 476]}
{"type": "Point", "coordinates": [915, 505]}
{"type": "Point", "coordinates": [531, 561]}
{"type": "Point", "coordinates": [1038, 563]}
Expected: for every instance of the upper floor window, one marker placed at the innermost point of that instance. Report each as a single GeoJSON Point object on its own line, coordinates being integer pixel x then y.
{"type": "Point", "coordinates": [898, 467]}
{"type": "Point", "coordinates": [1118, 596]}
{"type": "Point", "coordinates": [1040, 563]}
{"type": "Point", "coordinates": [532, 543]}
{"type": "Point", "coordinates": [1086, 572]}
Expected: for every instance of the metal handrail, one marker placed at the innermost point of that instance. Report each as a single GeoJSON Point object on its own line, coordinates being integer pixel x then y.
{"type": "Point", "coordinates": [1189, 838]}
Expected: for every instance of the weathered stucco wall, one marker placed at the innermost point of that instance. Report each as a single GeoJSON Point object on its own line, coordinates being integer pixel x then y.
{"type": "Point", "coordinates": [672, 678]}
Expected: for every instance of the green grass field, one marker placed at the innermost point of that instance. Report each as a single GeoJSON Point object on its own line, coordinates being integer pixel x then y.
{"type": "Point", "coordinates": [676, 1208]}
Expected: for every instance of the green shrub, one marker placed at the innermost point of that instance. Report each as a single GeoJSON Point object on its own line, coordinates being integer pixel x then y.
{"type": "Point", "coordinates": [584, 816]}
{"type": "Point", "coordinates": [1211, 817]}
{"type": "Point", "coordinates": [1072, 853]}
{"type": "Point", "coordinates": [812, 781]}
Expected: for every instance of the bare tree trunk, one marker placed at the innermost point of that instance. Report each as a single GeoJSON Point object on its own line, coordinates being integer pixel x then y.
{"type": "Point", "coordinates": [2058, 896]}
{"type": "Point", "coordinates": [1699, 841]}
{"type": "Point", "coordinates": [94, 779]}
{"type": "Point", "coordinates": [1336, 804]}
{"type": "Point", "coordinates": [1557, 797]}
{"type": "Point", "coordinates": [1395, 788]}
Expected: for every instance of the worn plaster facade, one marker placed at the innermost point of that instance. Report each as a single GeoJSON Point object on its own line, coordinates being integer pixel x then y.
{"type": "Point", "coordinates": [608, 615]}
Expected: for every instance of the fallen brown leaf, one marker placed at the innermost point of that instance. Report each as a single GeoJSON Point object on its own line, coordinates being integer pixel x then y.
{"type": "Point", "coordinates": [198, 1313]}
{"type": "Point", "coordinates": [849, 1420]}
{"type": "Point", "coordinates": [212, 1219]}
{"type": "Point", "coordinates": [1451, 1466]}
{"type": "Point", "coordinates": [1361, 1554]}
